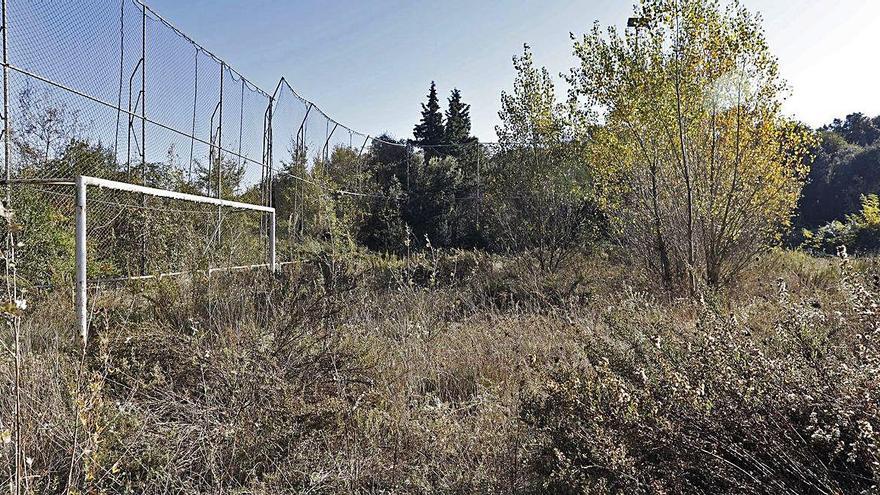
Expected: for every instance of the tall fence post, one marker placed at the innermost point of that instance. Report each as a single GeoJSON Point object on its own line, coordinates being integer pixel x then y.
{"type": "Point", "coordinates": [145, 233]}
{"type": "Point", "coordinates": [11, 288]}
{"type": "Point", "coordinates": [81, 274]}
{"type": "Point", "coordinates": [220, 155]}
{"type": "Point", "coordinates": [220, 139]}
{"type": "Point", "coordinates": [6, 135]}
{"type": "Point", "coordinates": [270, 185]}
{"type": "Point", "coordinates": [192, 141]}
{"type": "Point", "coordinates": [119, 93]}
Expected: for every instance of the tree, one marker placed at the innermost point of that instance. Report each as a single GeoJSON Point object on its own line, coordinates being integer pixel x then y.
{"type": "Point", "coordinates": [389, 163]}
{"type": "Point", "coordinates": [430, 132]}
{"type": "Point", "coordinates": [227, 179]}
{"type": "Point", "coordinates": [857, 129]}
{"type": "Point", "coordinates": [468, 156]}
{"type": "Point", "coordinates": [545, 136]}
{"type": "Point", "coordinates": [458, 126]}
{"type": "Point", "coordinates": [431, 207]}
{"type": "Point", "coordinates": [692, 151]}
{"type": "Point", "coordinates": [389, 159]}
{"type": "Point", "coordinates": [383, 228]}
{"type": "Point", "coordinates": [846, 166]}
{"type": "Point", "coordinates": [840, 173]}
{"type": "Point", "coordinates": [45, 127]}
{"type": "Point", "coordinates": [295, 196]}
{"type": "Point", "coordinates": [860, 232]}
{"type": "Point", "coordinates": [530, 116]}
{"type": "Point", "coordinates": [47, 231]}
{"type": "Point", "coordinates": [540, 189]}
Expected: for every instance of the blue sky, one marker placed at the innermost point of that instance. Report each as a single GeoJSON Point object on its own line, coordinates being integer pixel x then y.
{"type": "Point", "coordinates": [368, 63]}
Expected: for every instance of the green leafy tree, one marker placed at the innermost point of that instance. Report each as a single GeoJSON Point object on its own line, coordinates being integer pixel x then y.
{"type": "Point", "coordinates": [231, 172]}
{"type": "Point", "coordinates": [692, 152]}
{"type": "Point", "coordinates": [859, 232]}
{"type": "Point", "coordinates": [383, 228]}
{"type": "Point", "coordinates": [431, 207]}
{"type": "Point", "coordinates": [846, 166]}
{"type": "Point", "coordinates": [857, 129]}
{"type": "Point", "coordinates": [389, 165]}
{"type": "Point", "coordinates": [838, 175]}
{"type": "Point", "coordinates": [470, 157]}
{"type": "Point", "coordinates": [539, 188]}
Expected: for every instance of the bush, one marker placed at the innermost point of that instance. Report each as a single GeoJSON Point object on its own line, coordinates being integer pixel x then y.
{"type": "Point", "coordinates": [860, 232]}
{"type": "Point", "coordinates": [455, 372]}
{"type": "Point", "coordinates": [725, 407]}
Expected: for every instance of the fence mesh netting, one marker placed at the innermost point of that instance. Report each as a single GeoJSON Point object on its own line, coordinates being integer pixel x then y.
{"type": "Point", "coordinates": [112, 90]}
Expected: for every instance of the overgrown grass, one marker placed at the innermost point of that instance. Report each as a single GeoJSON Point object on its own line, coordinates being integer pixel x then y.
{"type": "Point", "coordinates": [457, 372]}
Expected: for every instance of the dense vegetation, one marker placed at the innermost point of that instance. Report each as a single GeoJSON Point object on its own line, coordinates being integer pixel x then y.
{"type": "Point", "coordinates": [628, 293]}
{"type": "Point", "coordinates": [460, 372]}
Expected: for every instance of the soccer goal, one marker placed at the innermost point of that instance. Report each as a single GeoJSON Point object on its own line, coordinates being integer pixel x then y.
{"type": "Point", "coordinates": [127, 231]}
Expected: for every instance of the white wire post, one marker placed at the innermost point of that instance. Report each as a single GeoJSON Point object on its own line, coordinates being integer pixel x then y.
{"type": "Point", "coordinates": [82, 318]}
{"type": "Point", "coordinates": [82, 184]}
{"type": "Point", "coordinates": [272, 264]}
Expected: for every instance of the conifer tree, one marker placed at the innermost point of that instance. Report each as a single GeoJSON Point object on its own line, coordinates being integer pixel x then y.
{"type": "Point", "coordinates": [430, 132]}
{"type": "Point", "coordinates": [458, 125]}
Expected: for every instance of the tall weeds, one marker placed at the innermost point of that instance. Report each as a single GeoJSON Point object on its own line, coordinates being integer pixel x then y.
{"type": "Point", "coordinates": [455, 372]}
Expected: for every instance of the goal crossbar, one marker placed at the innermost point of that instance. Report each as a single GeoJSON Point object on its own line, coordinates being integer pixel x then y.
{"type": "Point", "coordinates": [83, 182]}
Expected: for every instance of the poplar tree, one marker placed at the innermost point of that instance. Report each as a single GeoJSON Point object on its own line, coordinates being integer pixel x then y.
{"type": "Point", "coordinates": [694, 154]}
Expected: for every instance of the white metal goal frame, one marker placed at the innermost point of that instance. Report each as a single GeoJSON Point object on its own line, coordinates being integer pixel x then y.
{"type": "Point", "coordinates": [83, 182]}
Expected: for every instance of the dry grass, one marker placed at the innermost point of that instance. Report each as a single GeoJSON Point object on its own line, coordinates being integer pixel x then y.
{"type": "Point", "coordinates": [458, 373]}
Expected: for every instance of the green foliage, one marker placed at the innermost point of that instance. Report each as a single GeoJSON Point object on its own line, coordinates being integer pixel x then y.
{"type": "Point", "coordinates": [690, 151]}
{"type": "Point", "coordinates": [46, 238]}
{"type": "Point", "coordinates": [539, 185]}
{"type": "Point", "coordinates": [844, 169]}
{"type": "Point", "coordinates": [431, 207]}
{"type": "Point", "coordinates": [857, 129]}
{"type": "Point", "coordinates": [530, 116]}
{"type": "Point", "coordinates": [457, 138]}
{"type": "Point", "coordinates": [383, 228]}
{"type": "Point", "coordinates": [860, 232]}
{"type": "Point", "coordinates": [430, 130]}
{"type": "Point", "coordinates": [224, 175]}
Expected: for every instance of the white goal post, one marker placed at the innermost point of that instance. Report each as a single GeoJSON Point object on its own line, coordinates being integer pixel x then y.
{"type": "Point", "coordinates": [82, 184]}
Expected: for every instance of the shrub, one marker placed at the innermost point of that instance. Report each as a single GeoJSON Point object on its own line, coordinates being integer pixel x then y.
{"type": "Point", "coordinates": [860, 232]}
{"type": "Point", "coordinates": [731, 406]}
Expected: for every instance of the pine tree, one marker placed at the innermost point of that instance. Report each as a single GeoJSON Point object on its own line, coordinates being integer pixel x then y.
{"type": "Point", "coordinates": [458, 119]}
{"type": "Point", "coordinates": [458, 125]}
{"type": "Point", "coordinates": [430, 131]}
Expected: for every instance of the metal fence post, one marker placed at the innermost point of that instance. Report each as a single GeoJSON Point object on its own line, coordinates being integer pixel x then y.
{"type": "Point", "coordinates": [81, 273]}
{"type": "Point", "coordinates": [220, 155]}
{"type": "Point", "coordinates": [192, 142]}
{"type": "Point", "coordinates": [6, 135]}
{"type": "Point", "coordinates": [145, 233]}
{"type": "Point", "coordinates": [220, 138]}
{"type": "Point", "coordinates": [272, 264]}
